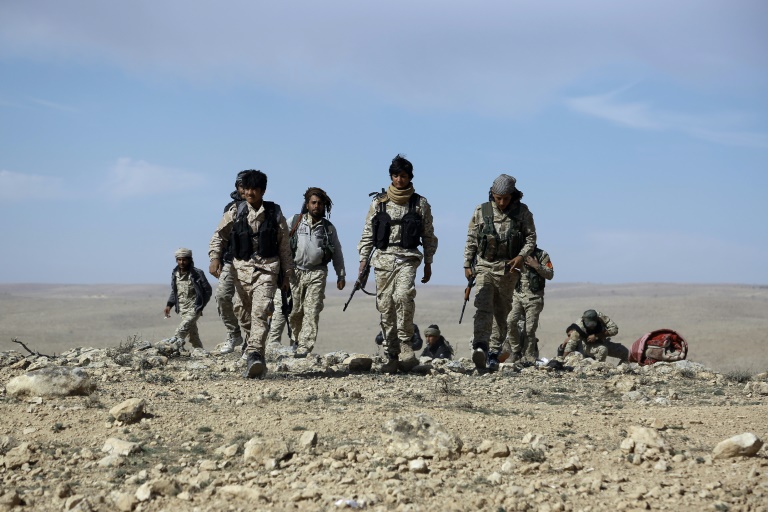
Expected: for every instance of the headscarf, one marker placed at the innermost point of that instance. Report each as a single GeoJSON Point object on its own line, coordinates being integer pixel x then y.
{"type": "Point", "coordinates": [183, 253]}
{"type": "Point", "coordinates": [432, 330]}
{"type": "Point", "coordinates": [503, 185]}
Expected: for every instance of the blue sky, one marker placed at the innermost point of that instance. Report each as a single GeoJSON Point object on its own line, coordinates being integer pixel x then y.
{"type": "Point", "coordinates": [637, 130]}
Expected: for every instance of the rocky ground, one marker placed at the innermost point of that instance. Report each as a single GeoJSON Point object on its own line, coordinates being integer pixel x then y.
{"type": "Point", "coordinates": [149, 426]}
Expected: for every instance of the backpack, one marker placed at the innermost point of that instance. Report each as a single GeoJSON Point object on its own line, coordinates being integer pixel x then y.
{"type": "Point", "coordinates": [266, 236]}
{"type": "Point", "coordinates": [489, 243]}
{"type": "Point", "coordinates": [658, 345]}
{"type": "Point", "coordinates": [326, 244]}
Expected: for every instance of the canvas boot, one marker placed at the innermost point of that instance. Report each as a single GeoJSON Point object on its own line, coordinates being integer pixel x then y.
{"type": "Point", "coordinates": [391, 365]}
{"type": "Point", "coordinates": [229, 346]}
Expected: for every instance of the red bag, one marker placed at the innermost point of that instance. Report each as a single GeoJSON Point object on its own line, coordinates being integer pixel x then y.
{"type": "Point", "coordinates": [658, 345]}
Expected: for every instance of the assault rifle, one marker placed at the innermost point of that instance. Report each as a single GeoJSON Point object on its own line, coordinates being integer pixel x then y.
{"type": "Point", "coordinates": [468, 289]}
{"type": "Point", "coordinates": [361, 279]}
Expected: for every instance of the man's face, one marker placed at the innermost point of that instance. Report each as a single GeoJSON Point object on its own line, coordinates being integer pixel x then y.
{"type": "Point", "coordinates": [502, 201]}
{"type": "Point", "coordinates": [315, 207]}
{"type": "Point", "coordinates": [400, 180]}
{"type": "Point", "coordinates": [184, 263]}
{"type": "Point", "coordinates": [253, 196]}
{"type": "Point", "coordinates": [432, 340]}
{"type": "Point", "coordinates": [240, 190]}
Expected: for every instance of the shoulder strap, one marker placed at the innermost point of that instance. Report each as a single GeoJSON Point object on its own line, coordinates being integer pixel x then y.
{"type": "Point", "coordinates": [413, 202]}
{"type": "Point", "coordinates": [242, 209]}
{"type": "Point", "coordinates": [487, 211]}
{"type": "Point", "coordinates": [295, 221]}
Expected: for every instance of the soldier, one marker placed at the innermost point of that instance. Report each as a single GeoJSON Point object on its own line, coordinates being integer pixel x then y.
{"type": "Point", "coordinates": [398, 221]}
{"type": "Point", "coordinates": [225, 291]}
{"type": "Point", "coordinates": [260, 249]}
{"type": "Point", "coordinates": [314, 243]}
{"type": "Point", "coordinates": [500, 236]}
{"type": "Point", "coordinates": [437, 346]}
{"type": "Point", "coordinates": [591, 334]}
{"type": "Point", "coordinates": [190, 292]}
{"type": "Point", "coordinates": [527, 306]}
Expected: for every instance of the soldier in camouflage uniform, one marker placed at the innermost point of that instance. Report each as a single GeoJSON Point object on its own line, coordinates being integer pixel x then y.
{"type": "Point", "coordinates": [225, 291]}
{"type": "Point", "coordinates": [591, 334]}
{"type": "Point", "coordinates": [190, 292]}
{"type": "Point", "coordinates": [260, 248]}
{"type": "Point", "coordinates": [315, 243]}
{"type": "Point", "coordinates": [527, 306]}
{"type": "Point", "coordinates": [398, 221]}
{"type": "Point", "coordinates": [500, 236]}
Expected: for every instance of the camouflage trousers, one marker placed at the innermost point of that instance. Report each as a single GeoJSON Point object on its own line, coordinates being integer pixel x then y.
{"type": "Point", "coordinates": [188, 326]}
{"type": "Point", "coordinates": [308, 291]}
{"type": "Point", "coordinates": [225, 293]}
{"type": "Point", "coordinates": [276, 325]}
{"type": "Point", "coordinates": [493, 302]}
{"type": "Point", "coordinates": [525, 310]}
{"type": "Point", "coordinates": [256, 303]}
{"type": "Point", "coordinates": [395, 293]}
{"type": "Point", "coordinates": [600, 350]}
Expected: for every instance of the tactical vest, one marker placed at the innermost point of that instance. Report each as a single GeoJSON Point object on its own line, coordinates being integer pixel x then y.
{"type": "Point", "coordinates": [490, 245]}
{"type": "Point", "coordinates": [536, 283]}
{"type": "Point", "coordinates": [243, 237]}
{"type": "Point", "coordinates": [326, 243]}
{"type": "Point", "coordinates": [410, 232]}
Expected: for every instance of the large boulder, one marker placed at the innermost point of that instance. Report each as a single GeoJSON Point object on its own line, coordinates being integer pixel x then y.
{"type": "Point", "coordinates": [54, 381]}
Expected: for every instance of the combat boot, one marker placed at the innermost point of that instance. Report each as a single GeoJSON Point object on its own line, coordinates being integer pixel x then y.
{"type": "Point", "coordinates": [255, 366]}
{"type": "Point", "coordinates": [493, 361]}
{"type": "Point", "coordinates": [391, 365]}
{"type": "Point", "coordinates": [479, 358]}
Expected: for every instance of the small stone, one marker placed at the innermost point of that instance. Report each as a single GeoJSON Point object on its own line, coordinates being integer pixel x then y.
{"type": "Point", "coordinates": [125, 502]}
{"type": "Point", "coordinates": [115, 446]}
{"type": "Point", "coordinates": [418, 466]}
{"type": "Point", "coordinates": [54, 381]}
{"type": "Point", "coordinates": [129, 411]}
{"type": "Point", "coordinates": [308, 439]}
{"type": "Point", "coordinates": [111, 461]}
{"type": "Point", "coordinates": [494, 478]}
{"type": "Point", "coordinates": [743, 445]}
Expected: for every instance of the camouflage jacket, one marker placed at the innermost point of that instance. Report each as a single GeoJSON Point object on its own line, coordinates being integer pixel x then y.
{"type": "Point", "coordinates": [606, 329]}
{"type": "Point", "coordinates": [246, 268]}
{"type": "Point", "coordinates": [503, 224]}
{"type": "Point", "coordinates": [531, 283]}
{"type": "Point", "coordinates": [387, 258]}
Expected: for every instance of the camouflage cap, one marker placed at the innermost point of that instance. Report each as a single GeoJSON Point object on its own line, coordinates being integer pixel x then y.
{"type": "Point", "coordinates": [503, 185]}
{"type": "Point", "coordinates": [590, 318]}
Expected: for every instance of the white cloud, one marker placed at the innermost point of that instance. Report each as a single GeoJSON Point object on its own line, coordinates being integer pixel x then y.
{"type": "Point", "coordinates": [137, 178]}
{"type": "Point", "coordinates": [644, 116]}
{"type": "Point", "coordinates": [53, 105]}
{"type": "Point", "coordinates": [488, 56]}
{"type": "Point", "coordinates": [15, 187]}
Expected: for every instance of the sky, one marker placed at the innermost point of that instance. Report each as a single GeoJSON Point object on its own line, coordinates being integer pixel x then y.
{"type": "Point", "coordinates": [637, 130]}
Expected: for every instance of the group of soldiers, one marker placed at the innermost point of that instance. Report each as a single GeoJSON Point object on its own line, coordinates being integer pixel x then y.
{"type": "Point", "coordinates": [256, 252]}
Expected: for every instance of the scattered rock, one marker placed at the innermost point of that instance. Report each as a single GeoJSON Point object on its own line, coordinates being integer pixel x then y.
{"type": "Point", "coordinates": [743, 445]}
{"type": "Point", "coordinates": [418, 466]}
{"type": "Point", "coordinates": [115, 446]}
{"type": "Point", "coordinates": [54, 381]}
{"type": "Point", "coordinates": [308, 440]}
{"type": "Point", "coordinates": [420, 436]}
{"type": "Point", "coordinates": [129, 411]}
{"type": "Point", "coordinates": [18, 456]}
{"type": "Point", "coordinates": [359, 363]}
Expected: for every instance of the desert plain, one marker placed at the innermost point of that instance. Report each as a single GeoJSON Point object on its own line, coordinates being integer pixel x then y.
{"type": "Point", "coordinates": [318, 435]}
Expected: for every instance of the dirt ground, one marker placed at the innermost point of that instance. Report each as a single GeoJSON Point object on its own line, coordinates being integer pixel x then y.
{"type": "Point", "coordinates": [521, 439]}
{"type": "Point", "coordinates": [726, 326]}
